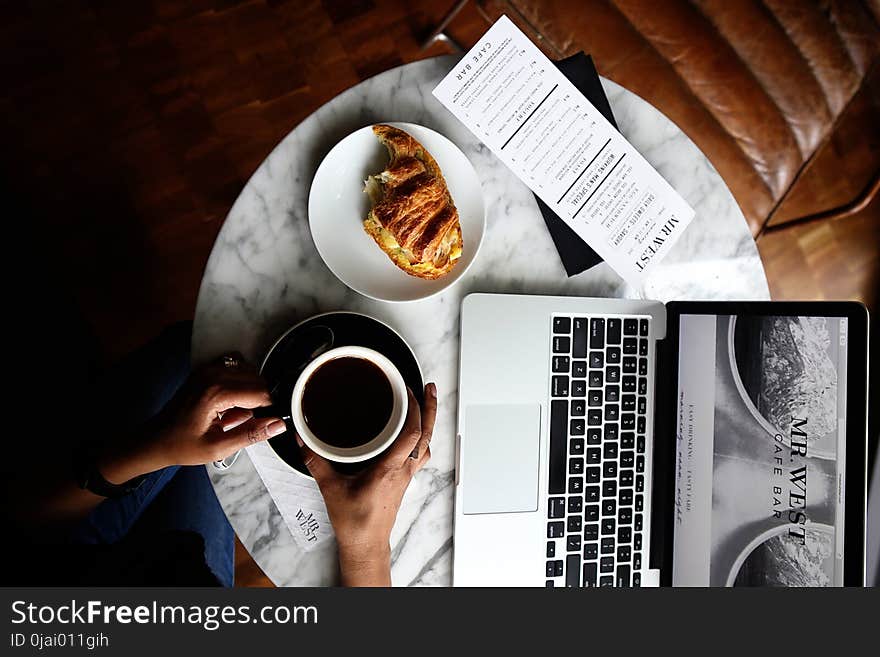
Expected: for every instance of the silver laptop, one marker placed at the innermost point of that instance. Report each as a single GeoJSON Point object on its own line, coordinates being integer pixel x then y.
{"type": "Point", "coordinates": [606, 442]}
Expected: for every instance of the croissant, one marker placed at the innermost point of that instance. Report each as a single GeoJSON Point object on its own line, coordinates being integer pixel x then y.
{"type": "Point", "coordinates": [413, 218]}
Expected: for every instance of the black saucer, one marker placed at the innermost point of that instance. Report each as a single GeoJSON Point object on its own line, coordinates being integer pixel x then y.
{"type": "Point", "coordinates": [310, 338]}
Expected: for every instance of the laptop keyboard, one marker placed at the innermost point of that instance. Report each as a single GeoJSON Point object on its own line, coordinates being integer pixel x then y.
{"type": "Point", "coordinates": [599, 381]}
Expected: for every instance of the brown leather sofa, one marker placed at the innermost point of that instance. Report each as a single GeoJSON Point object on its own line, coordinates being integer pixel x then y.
{"type": "Point", "coordinates": [783, 96]}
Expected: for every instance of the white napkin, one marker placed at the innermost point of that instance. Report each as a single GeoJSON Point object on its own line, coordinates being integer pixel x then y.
{"type": "Point", "coordinates": [297, 498]}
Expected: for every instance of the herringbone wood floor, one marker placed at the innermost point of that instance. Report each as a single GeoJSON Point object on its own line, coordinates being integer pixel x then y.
{"type": "Point", "coordinates": [130, 128]}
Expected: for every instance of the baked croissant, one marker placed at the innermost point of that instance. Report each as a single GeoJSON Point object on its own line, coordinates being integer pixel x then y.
{"type": "Point", "coordinates": [413, 218]}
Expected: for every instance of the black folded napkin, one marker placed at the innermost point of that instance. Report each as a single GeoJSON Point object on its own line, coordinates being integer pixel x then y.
{"type": "Point", "coordinates": [576, 254]}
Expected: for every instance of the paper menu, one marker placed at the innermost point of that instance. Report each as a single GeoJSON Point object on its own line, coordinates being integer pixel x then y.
{"type": "Point", "coordinates": [537, 122]}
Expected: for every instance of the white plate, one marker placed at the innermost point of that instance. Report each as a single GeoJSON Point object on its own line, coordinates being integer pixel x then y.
{"type": "Point", "coordinates": [338, 206]}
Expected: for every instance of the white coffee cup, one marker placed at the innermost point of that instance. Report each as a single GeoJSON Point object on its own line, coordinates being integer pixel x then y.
{"type": "Point", "coordinates": [377, 444]}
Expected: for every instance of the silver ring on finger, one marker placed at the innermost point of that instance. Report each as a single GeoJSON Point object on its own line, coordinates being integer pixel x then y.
{"type": "Point", "coordinates": [230, 362]}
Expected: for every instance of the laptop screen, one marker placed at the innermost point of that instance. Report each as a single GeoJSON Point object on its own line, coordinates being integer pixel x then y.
{"type": "Point", "coordinates": [759, 470]}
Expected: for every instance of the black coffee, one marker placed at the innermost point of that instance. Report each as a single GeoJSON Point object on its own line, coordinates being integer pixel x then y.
{"type": "Point", "coordinates": [347, 401]}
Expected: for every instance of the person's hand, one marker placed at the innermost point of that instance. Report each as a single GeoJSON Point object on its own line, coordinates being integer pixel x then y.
{"type": "Point", "coordinates": [363, 506]}
{"type": "Point", "coordinates": [208, 419]}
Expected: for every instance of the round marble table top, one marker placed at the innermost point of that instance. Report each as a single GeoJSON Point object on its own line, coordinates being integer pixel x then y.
{"type": "Point", "coordinates": [264, 275]}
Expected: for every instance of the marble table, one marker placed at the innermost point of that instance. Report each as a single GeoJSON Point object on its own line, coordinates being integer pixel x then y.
{"type": "Point", "coordinates": [264, 275]}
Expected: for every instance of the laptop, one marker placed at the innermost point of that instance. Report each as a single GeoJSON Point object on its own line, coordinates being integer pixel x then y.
{"type": "Point", "coordinates": [628, 443]}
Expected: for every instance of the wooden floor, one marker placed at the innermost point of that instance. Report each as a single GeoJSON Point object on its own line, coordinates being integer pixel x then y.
{"type": "Point", "coordinates": [130, 128]}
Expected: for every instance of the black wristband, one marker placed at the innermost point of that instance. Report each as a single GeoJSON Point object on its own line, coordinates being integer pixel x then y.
{"type": "Point", "coordinates": [88, 477]}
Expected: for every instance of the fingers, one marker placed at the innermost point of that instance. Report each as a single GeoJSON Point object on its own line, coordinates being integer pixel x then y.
{"type": "Point", "coordinates": [316, 464]}
{"type": "Point", "coordinates": [429, 416]}
{"type": "Point", "coordinates": [247, 433]}
{"type": "Point", "coordinates": [409, 436]}
{"type": "Point", "coordinates": [252, 394]}
{"type": "Point", "coordinates": [234, 417]}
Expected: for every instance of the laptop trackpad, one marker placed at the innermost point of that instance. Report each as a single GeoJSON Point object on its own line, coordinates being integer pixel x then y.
{"type": "Point", "coordinates": [499, 458]}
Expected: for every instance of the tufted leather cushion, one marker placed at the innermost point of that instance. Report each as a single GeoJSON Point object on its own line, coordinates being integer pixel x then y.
{"type": "Point", "coordinates": [759, 86]}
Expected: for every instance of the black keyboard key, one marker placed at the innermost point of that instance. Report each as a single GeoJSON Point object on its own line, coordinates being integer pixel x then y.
{"type": "Point", "coordinates": [558, 440]}
{"type": "Point", "coordinates": [573, 543]}
{"type": "Point", "coordinates": [628, 421]}
{"type": "Point", "coordinates": [643, 327]}
{"type": "Point", "coordinates": [591, 513]}
{"type": "Point", "coordinates": [597, 359]}
{"type": "Point", "coordinates": [637, 579]}
{"type": "Point", "coordinates": [590, 575]}
{"type": "Point", "coordinates": [642, 406]}
{"type": "Point", "coordinates": [592, 475]}
{"type": "Point", "coordinates": [561, 324]}
{"type": "Point", "coordinates": [579, 346]}
{"type": "Point", "coordinates": [625, 516]}
{"type": "Point", "coordinates": [637, 560]}
{"type": "Point", "coordinates": [625, 498]}
{"type": "Point", "coordinates": [643, 386]}
{"type": "Point", "coordinates": [630, 327]}
{"type": "Point", "coordinates": [576, 466]}
{"type": "Point", "coordinates": [609, 506]}
{"type": "Point", "coordinates": [609, 488]}
{"type": "Point", "coordinates": [627, 440]}
{"type": "Point", "coordinates": [643, 366]}
{"type": "Point", "coordinates": [637, 542]}
{"type": "Point", "coordinates": [557, 568]}
{"type": "Point", "coordinates": [591, 532]}
{"type": "Point", "coordinates": [549, 584]}
{"type": "Point", "coordinates": [638, 522]}
{"type": "Point", "coordinates": [624, 552]}
{"type": "Point", "coordinates": [574, 524]}
{"type": "Point", "coordinates": [640, 424]}
{"type": "Point", "coordinates": [612, 394]}
{"type": "Point", "coordinates": [630, 346]}
{"type": "Point", "coordinates": [560, 364]}
{"type": "Point", "coordinates": [556, 507]}
{"type": "Point", "coordinates": [560, 386]}
{"type": "Point", "coordinates": [622, 580]}
{"type": "Point", "coordinates": [626, 477]}
{"type": "Point", "coordinates": [608, 545]}
{"type": "Point", "coordinates": [610, 451]}
{"type": "Point", "coordinates": [628, 403]}
{"type": "Point", "coordinates": [610, 431]}
{"type": "Point", "coordinates": [629, 365]}
{"type": "Point", "coordinates": [594, 436]}
{"type": "Point", "coordinates": [594, 398]}
{"type": "Point", "coordinates": [578, 388]}
{"type": "Point", "coordinates": [612, 375]}
{"type": "Point", "coordinates": [576, 446]}
{"type": "Point", "coordinates": [626, 459]}
{"type": "Point", "coordinates": [575, 485]}
{"type": "Point", "coordinates": [607, 526]}
{"type": "Point", "coordinates": [575, 504]}
{"type": "Point", "coordinates": [573, 570]}
{"type": "Point", "coordinates": [594, 455]}
{"type": "Point", "coordinates": [613, 355]}
{"type": "Point", "coordinates": [612, 412]}
{"type": "Point", "coordinates": [576, 427]}
{"type": "Point", "coordinates": [555, 529]}
{"type": "Point", "coordinates": [561, 345]}
{"type": "Point", "coordinates": [640, 502]}
{"type": "Point", "coordinates": [640, 463]}
{"type": "Point", "coordinates": [579, 369]}
{"type": "Point", "coordinates": [591, 551]}
{"type": "Point", "coordinates": [606, 564]}
{"type": "Point", "coordinates": [597, 333]}
{"type": "Point", "coordinates": [592, 494]}
{"type": "Point", "coordinates": [578, 407]}
{"type": "Point", "coordinates": [640, 483]}
{"type": "Point", "coordinates": [594, 417]}
{"type": "Point", "coordinates": [595, 379]}
{"type": "Point", "coordinates": [629, 384]}
{"type": "Point", "coordinates": [550, 570]}
{"type": "Point", "coordinates": [606, 580]}
{"type": "Point", "coordinates": [551, 549]}
{"type": "Point", "coordinates": [613, 331]}
{"type": "Point", "coordinates": [643, 347]}
{"type": "Point", "coordinates": [609, 469]}
{"type": "Point", "coordinates": [624, 534]}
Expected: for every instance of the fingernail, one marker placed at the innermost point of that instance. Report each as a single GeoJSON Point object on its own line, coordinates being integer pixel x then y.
{"type": "Point", "coordinates": [432, 389]}
{"type": "Point", "coordinates": [299, 441]}
{"type": "Point", "coordinates": [276, 427]}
